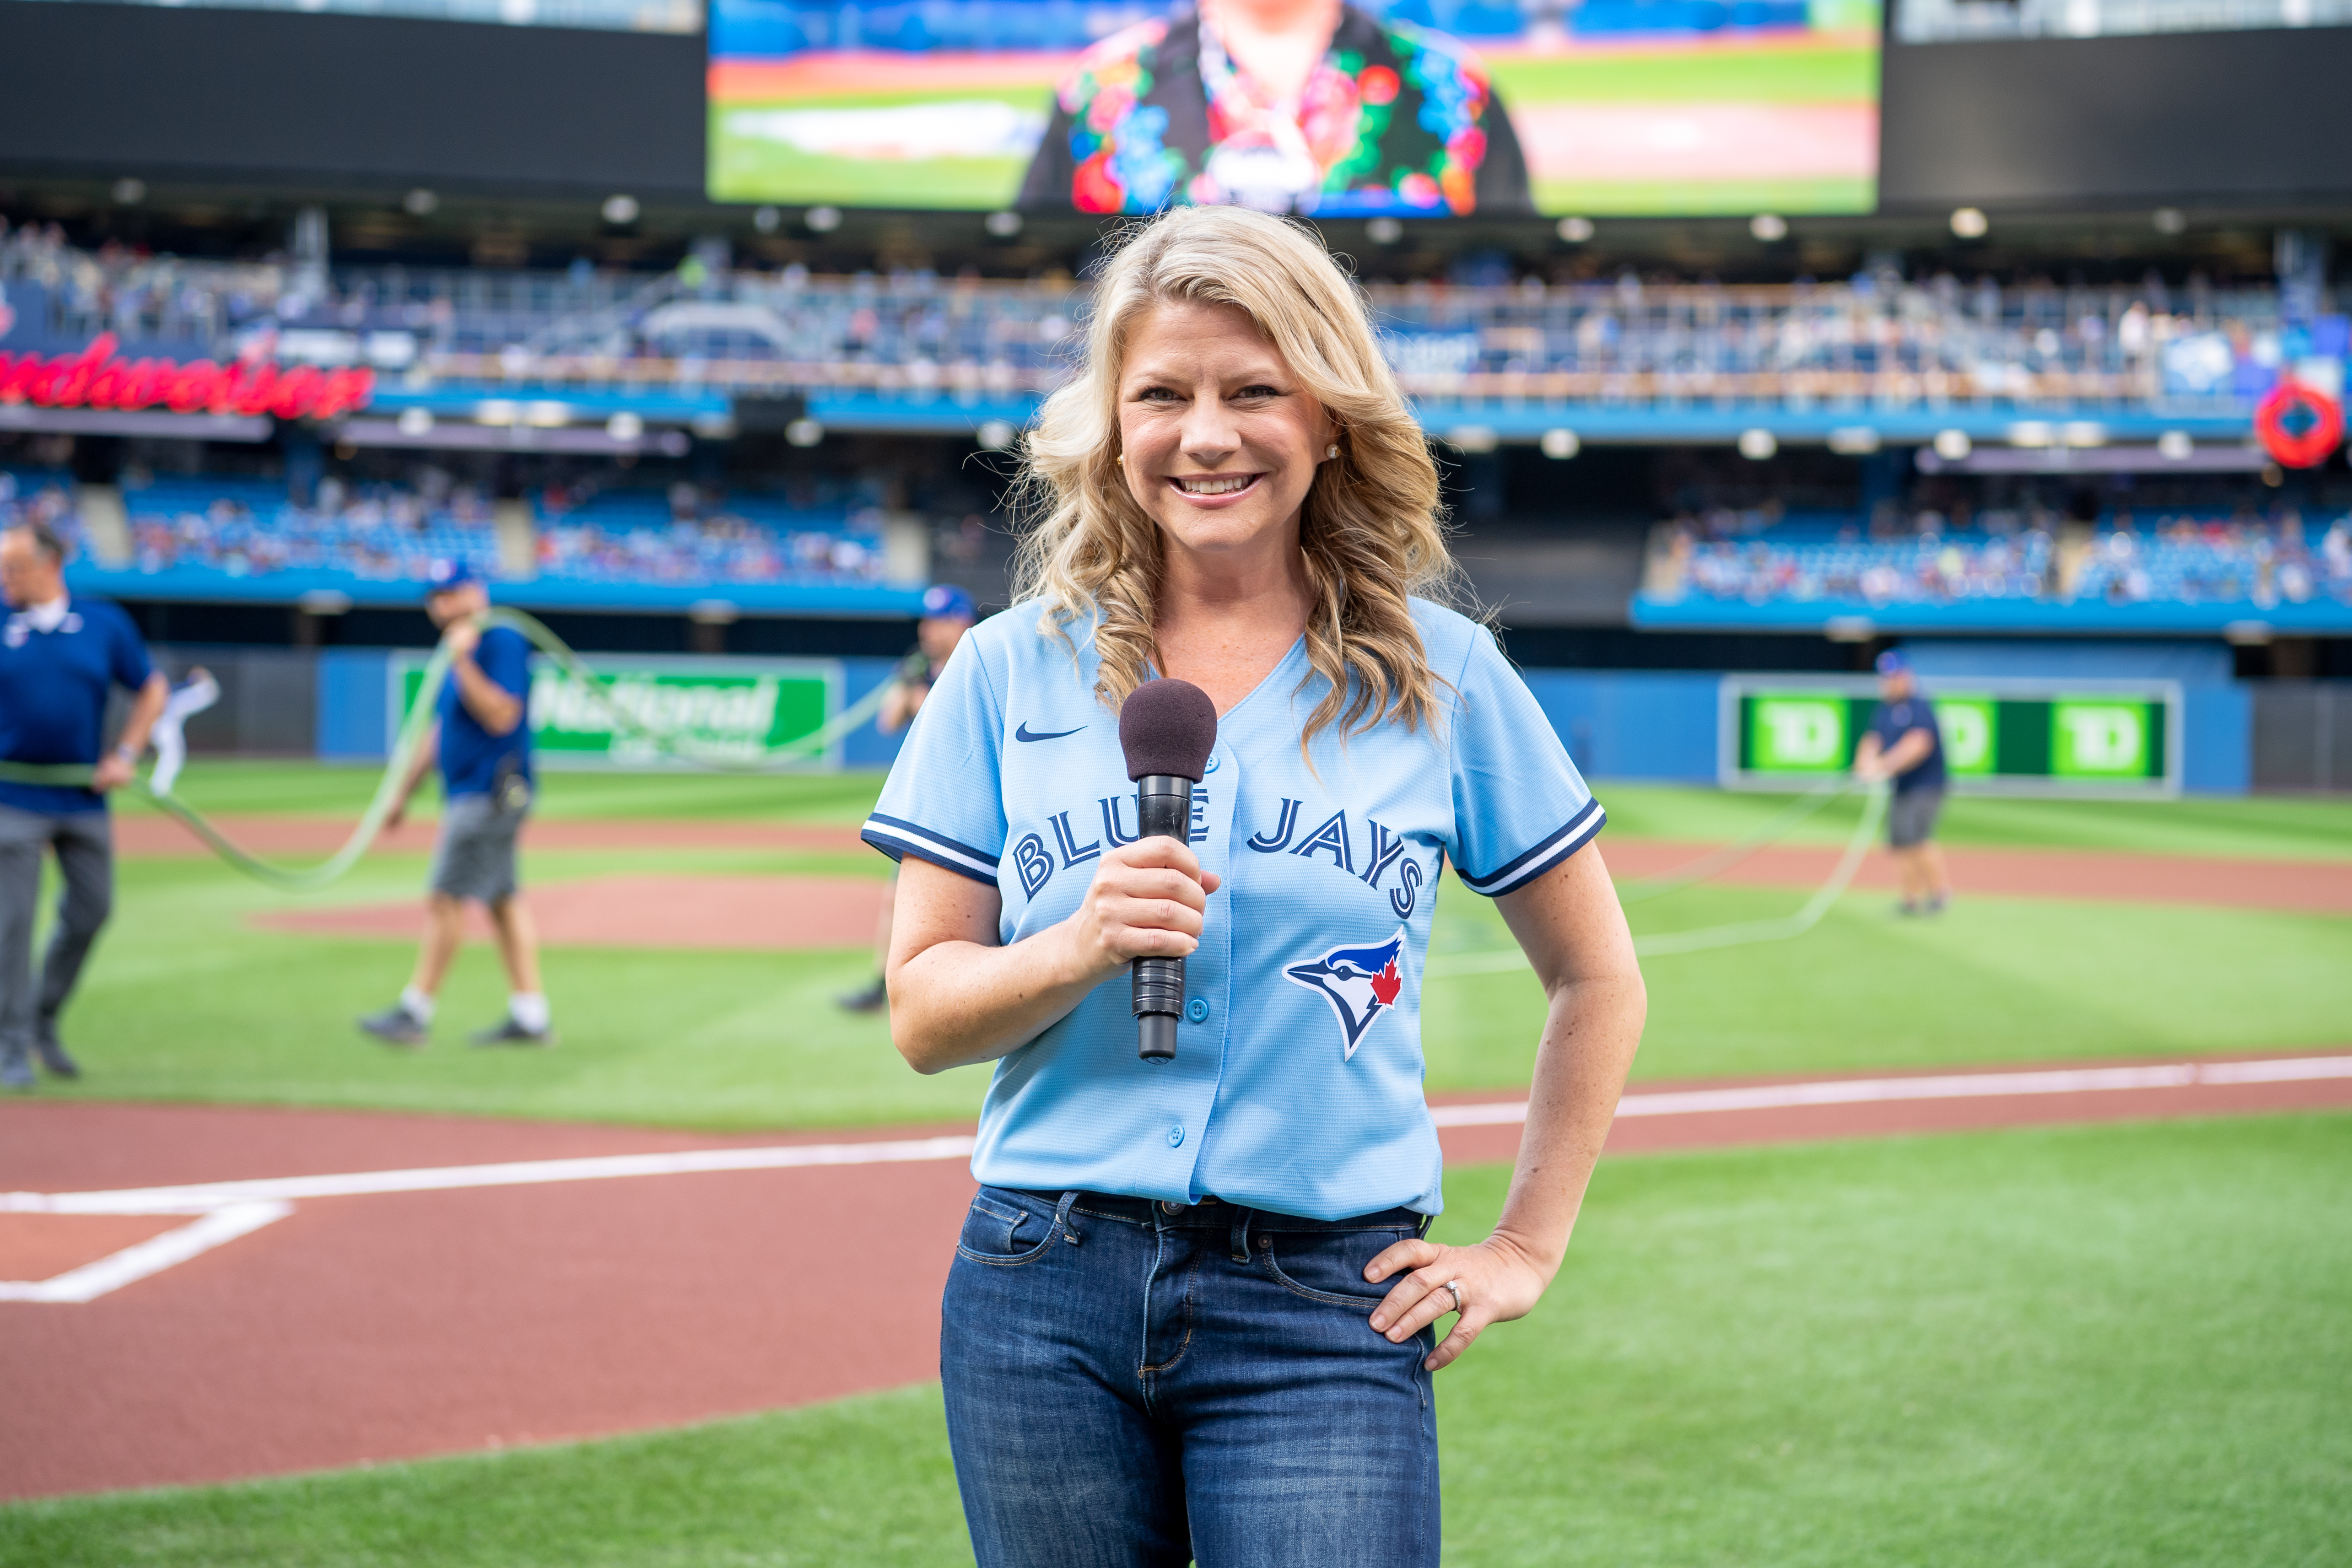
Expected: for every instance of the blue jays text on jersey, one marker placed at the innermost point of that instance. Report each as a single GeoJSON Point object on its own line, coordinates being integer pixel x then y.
{"type": "Point", "coordinates": [1368, 850]}
{"type": "Point", "coordinates": [1296, 1085]}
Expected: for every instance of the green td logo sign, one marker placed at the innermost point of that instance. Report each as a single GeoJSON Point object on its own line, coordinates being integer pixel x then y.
{"type": "Point", "coordinates": [1967, 726]}
{"type": "Point", "coordinates": [1799, 734]}
{"type": "Point", "coordinates": [2093, 739]}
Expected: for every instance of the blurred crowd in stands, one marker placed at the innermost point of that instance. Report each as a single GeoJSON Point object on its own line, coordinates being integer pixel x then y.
{"type": "Point", "coordinates": [39, 496]}
{"type": "Point", "coordinates": [1761, 555]}
{"type": "Point", "coordinates": [684, 536]}
{"type": "Point", "coordinates": [1874, 339]}
{"type": "Point", "coordinates": [247, 527]}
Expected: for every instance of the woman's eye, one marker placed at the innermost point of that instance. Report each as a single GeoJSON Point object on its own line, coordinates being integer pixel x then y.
{"type": "Point", "coordinates": [1156, 395]}
{"type": "Point", "coordinates": [1258, 391]}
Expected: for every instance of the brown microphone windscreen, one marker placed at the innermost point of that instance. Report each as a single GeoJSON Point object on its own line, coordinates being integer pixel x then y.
{"type": "Point", "coordinates": [1167, 728]}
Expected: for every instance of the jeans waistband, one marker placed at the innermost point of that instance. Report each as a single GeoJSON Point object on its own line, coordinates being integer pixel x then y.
{"type": "Point", "coordinates": [1215, 1213]}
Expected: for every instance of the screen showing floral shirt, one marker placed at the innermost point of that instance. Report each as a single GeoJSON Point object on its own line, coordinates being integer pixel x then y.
{"type": "Point", "coordinates": [1395, 120]}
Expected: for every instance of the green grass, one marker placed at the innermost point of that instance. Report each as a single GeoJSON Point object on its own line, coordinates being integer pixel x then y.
{"type": "Point", "coordinates": [186, 1000]}
{"type": "Point", "coordinates": [1993, 980]}
{"type": "Point", "coordinates": [747, 168]}
{"type": "Point", "coordinates": [304, 788]}
{"type": "Point", "coordinates": [1697, 198]}
{"type": "Point", "coordinates": [1827, 73]}
{"type": "Point", "coordinates": [2117, 1346]}
{"type": "Point", "coordinates": [2263, 828]}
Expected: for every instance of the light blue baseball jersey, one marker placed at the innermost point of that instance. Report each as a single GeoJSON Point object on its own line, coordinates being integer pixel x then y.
{"type": "Point", "coordinates": [1296, 1085]}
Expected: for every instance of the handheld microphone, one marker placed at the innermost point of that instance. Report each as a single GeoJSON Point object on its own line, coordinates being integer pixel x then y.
{"type": "Point", "coordinates": [1167, 728]}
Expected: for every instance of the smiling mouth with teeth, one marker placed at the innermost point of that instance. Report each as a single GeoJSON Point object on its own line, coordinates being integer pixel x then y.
{"type": "Point", "coordinates": [1212, 483]}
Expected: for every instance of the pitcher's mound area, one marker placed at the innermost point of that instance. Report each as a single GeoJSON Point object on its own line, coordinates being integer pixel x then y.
{"type": "Point", "coordinates": [763, 913]}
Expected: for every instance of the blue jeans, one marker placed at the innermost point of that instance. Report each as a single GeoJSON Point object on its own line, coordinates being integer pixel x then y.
{"type": "Point", "coordinates": [1131, 1382]}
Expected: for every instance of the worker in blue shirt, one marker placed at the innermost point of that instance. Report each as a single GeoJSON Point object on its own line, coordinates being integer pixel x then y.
{"type": "Point", "coordinates": [60, 659]}
{"type": "Point", "coordinates": [482, 743]}
{"type": "Point", "coordinates": [1906, 744]}
{"type": "Point", "coordinates": [1192, 1312]}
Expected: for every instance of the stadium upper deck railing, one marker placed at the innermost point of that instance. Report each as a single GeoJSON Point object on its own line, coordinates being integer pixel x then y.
{"type": "Point", "coordinates": [2151, 352]}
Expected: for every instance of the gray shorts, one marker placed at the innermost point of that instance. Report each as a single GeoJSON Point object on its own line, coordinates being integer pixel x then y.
{"type": "Point", "coordinates": [1911, 817]}
{"type": "Point", "coordinates": [475, 855]}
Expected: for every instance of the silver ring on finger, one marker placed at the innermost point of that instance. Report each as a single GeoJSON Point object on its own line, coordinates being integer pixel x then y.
{"type": "Point", "coordinates": [1455, 1286]}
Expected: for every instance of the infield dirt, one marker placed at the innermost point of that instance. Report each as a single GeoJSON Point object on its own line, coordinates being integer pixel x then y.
{"type": "Point", "coordinates": [395, 1325]}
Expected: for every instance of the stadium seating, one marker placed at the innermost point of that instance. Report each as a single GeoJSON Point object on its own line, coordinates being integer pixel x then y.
{"type": "Point", "coordinates": [1872, 341]}
{"type": "Point", "coordinates": [247, 527]}
{"type": "Point", "coordinates": [40, 496]}
{"type": "Point", "coordinates": [186, 529]}
{"type": "Point", "coordinates": [776, 29]}
{"type": "Point", "coordinates": [2230, 561]}
{"type": "Point", "coordinates": [643, 536]}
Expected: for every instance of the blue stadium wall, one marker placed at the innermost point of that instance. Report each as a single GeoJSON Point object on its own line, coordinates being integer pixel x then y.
{"type": "Point", "coordinates": [1617, 723]}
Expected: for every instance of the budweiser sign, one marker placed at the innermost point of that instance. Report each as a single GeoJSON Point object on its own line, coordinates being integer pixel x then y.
{"type": "Point", "coordinates": [100, 378]}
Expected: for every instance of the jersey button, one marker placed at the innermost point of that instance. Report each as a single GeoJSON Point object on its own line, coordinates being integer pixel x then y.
{"type": "Point", "coordinates": [1197, 1009]}
{"type": "Point", "coordinates": [1176, 1135]}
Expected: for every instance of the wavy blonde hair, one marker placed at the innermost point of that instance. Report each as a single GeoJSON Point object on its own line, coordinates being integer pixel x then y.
{"type": "Point", "coordinates": [1371, 527]}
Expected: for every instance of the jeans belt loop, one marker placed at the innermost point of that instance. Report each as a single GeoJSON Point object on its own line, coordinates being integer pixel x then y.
{"type": "Point", "coordinates": [1240, 1234]}
{"type": "Point", "coordinates": [1421, 1229]}
{"type": "Point", "coordinates": [1061, 1219]}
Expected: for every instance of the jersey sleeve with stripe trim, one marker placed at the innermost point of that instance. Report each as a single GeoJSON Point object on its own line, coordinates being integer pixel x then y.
{"type": "Point", "coordinates": [944, 801]}
{"type": "Point", "coordinates": [1520, 807]}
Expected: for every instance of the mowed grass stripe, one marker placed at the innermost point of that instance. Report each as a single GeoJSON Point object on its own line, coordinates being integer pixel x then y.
{"type": "Point", "coordinates": [1823, 73]}
{"type": "Point", "coordinates": [186, 1000]}
{"type": "Point", "coordinates": [2263, 828]}
{"type": "Point", "coordinates": [2119, 1344]}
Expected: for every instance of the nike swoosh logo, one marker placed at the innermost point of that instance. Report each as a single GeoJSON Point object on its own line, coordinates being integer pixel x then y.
{"type": "Point", "coordinates": [1024, 733]}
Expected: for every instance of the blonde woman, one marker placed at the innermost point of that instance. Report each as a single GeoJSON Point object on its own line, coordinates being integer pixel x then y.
{"type": "Point", "coordinates": [1192, 1312]}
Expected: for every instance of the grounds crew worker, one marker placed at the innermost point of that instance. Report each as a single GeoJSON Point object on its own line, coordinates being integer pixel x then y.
{"type": "Point", "coordinates": [60, 659]}
{"type": "Point", "coordinates": [1904, 744]}
{"type": "Point", "coordinates": [483, 744]}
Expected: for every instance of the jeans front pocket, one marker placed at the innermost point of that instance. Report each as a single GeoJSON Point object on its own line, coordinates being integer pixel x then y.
{"type": "Point", "coordinates": [1001, 1228]}
{"type": "Point", "coordinates": [1329, 1265]}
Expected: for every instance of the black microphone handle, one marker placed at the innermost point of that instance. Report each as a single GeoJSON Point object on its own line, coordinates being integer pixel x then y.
{"type": "Point", "coordinates": [1163, 808]}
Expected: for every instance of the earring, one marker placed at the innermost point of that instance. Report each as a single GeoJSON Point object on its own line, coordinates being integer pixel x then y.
{"type": "Point", "coordinates": [1332, 450]}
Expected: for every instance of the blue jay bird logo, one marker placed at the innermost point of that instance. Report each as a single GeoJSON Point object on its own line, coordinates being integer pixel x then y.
{"type": "Point", "coordinates": [1360, 983]}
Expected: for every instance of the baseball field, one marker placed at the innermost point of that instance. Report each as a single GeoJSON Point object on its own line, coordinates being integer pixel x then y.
{"type": "Point", "coordinates": [2017, 1235]}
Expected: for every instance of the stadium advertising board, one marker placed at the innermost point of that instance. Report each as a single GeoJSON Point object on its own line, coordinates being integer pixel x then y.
{"type": "Point", "coordinates": [731, 710]}
{"type": "Point", "coordinates": [2000, 735]}
{"type": "Point", "coordinates": [98, 377]}
{"type": "Point", "coordinates": [1415, 108]}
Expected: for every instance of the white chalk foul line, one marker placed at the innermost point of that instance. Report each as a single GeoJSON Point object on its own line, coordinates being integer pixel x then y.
{"type": "Point", "coordinates": [152, 1256]}
{"type": "Point", "coordinates": [232, 1208]}
{"type": "Point", "coordinates": [519, 1173]}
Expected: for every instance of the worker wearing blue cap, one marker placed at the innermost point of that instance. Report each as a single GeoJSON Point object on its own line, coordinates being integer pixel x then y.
{"type": "Point", "coordinates": [1906, 744]}
{"type": "Point", "coordinates": [948, 613]}
{"type": "Point", "coordinates": [482, 742]}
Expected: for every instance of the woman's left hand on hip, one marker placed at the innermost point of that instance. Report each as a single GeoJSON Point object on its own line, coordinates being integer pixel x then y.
{"type": "Point", "coordinates": [1496, 1280]}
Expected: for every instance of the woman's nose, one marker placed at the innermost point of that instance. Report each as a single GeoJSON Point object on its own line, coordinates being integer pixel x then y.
{"type": "Point", "coordinates": [1208, 431]}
